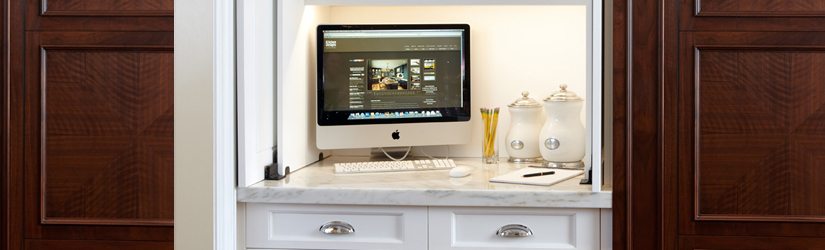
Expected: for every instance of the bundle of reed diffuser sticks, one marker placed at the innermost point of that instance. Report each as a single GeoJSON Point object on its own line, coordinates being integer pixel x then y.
{"type": "Point", "coordinates": [489, 152]}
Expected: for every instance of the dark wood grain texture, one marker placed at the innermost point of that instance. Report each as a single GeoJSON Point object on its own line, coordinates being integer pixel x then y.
{"type": "Point", "coordinates": [669, 110]}
{"type": "Point", "coordinates": [760, 8]}
{"type": "Point", "coordinates": [4, 156]}
{"type": "Point", "coordinates": [96, 245]}
{"type": "Point", "coordinates": [13, 68]}
{"type": "Point", "coordinates": [107, 136]}
{"type": "Point", "coordinates": [734, 157]}
{"type": "Point", "coordinates": [98, 15]}
{"type": "Point", "coordinates": [752, 243]}
{"type": "Point", "coordinates": [107, 104]}
{"type": "Point", "coordinates": [643, 132]}
{"type": "Point", "coordinates": [760, 137]}
{"type": "Point", "coordinates": [91, 145]}
{"type": "Point", "coordinates": [746, 93]}
{"type": "Point", "coordinates": [620, 205]}
{"type": "Point", "coordinates": [106, 8]}
{"type": "Point", "coordinates": [636, 111]}
{"type": "Point", "coordinates": [751, 15]}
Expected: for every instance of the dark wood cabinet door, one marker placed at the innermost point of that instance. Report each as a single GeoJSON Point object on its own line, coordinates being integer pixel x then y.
{"type": "Point", "coordinates": [751, 139]}
{"type": "Point", "coordinates": [95, 115]}
{"type": "Point", "coordinates": [748, 133]}
{"type": "Point", "coordinates": [723, 106]}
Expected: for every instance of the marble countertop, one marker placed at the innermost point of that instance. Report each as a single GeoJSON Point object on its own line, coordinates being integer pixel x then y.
{"type": "Point", "coordinates": [318, 184]}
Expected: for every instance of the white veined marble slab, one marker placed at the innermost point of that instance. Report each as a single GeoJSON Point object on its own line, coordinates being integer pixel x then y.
{"type": "Point", "coordinates": [318, 184]}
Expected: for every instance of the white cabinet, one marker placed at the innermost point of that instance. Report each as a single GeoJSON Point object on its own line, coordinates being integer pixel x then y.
{"type": "Point", "coordinates": [292, 226]}
{"type": "Point", "coordinates": [513, 228]}
{"type": "Point", "coordinates": [336, 227]}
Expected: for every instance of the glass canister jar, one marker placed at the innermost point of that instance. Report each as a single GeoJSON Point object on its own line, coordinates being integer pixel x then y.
{"type": "Point", "coordinates": [526, 119]}
{"type": "Point", "coordinates": [562, 137]}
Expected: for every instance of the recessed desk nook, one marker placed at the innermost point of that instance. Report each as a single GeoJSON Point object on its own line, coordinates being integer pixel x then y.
{"type": "Point", "coordinates": [294, 128]}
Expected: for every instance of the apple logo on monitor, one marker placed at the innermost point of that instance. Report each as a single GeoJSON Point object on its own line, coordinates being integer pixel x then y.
{"type": "Point", "coordinates": [396, 135]}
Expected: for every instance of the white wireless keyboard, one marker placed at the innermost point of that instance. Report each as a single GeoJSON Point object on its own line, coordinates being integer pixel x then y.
{"type": "Point", "coordinates": [392, 166]}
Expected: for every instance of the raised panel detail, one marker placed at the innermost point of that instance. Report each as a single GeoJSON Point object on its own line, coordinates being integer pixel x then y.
{"type": "Point", "coordinates": [297, 226]}
{"type": "Point", "coordinates": [760, 134]}
{"type": "Point", "coordinates": [760, 7]}
{"type": "Point", "coordinates": [107, 7]}
{"type": "Point", "coordinates": [107, 136]}
{"type": "Point", "coordinates": [475, 228]}
{"type": "Point", "coordinates": [749, 242]}
{"type": "Point", "coordinates": [32, 244]}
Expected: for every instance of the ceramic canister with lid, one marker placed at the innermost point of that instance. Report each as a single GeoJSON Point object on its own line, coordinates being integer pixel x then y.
{"type": "Point", "coordinates": [526, 119]}
{"type": "Point", "coordinates": [562, 138]}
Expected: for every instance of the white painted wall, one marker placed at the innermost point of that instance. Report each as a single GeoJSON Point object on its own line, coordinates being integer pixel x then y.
{"type": "Point", "coordinates": [608, 95]}
{"type": "Point", "coordinates": [513, 49]}
{"type": "Point", "coordinates": [194, 116]}
{"type": "Point", "coordinates": [295, 40]}
{"type": "Point", "coordinates": [204, 190]}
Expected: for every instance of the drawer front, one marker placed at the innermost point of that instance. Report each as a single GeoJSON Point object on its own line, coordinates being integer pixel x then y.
{"type": "Point", "coordinates": [477, 228]}
{"type": "Point", "coordinates": [297, 227]}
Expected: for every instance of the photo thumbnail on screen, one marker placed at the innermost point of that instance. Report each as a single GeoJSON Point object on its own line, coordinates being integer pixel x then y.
{"type": "Point", "coordinates": [388, 74]}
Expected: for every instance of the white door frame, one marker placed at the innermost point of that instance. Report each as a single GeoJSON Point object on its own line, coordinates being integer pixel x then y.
{"type": "Point", "coordinates": [205, 203]}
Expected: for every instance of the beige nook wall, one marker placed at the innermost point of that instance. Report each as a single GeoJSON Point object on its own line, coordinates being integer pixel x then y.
{"type": "Point", "coordinates": [513, 49]}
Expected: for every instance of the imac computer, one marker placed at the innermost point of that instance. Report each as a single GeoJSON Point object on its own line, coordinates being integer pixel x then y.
{"type": "Point", "coordinates": [393, 85]}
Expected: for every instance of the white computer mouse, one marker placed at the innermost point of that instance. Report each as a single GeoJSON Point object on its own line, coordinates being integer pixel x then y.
{"type": "Point", "coordinates": [460, 171]}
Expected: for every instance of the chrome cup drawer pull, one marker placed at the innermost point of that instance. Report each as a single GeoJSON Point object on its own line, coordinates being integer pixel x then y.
{"type": "Point", "coordinates": [514, 231]}
{"type": "Point", "coordinates": [336, 227]}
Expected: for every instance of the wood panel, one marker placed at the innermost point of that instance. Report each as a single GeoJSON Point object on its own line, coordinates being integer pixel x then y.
{"type": "Point", "coordinates": [106, 7]}
{"type": "Point", "coordinates": [760, 8]}
{"type": "Point", "coordinates": [107, 136]}
{"type": "Point", "coordinates": [751, 243]}
{"type": "Point", "coordinates": [81, 88]}
{"type": "Point", "coordinates": [98, 15]}
{"type": "Point", "coordinates": [749, 15]}
{"type": "Point", "coordinates": [12, 82]}
{"type": "Point", "coordinates": [742, 101]}
{"type": "Point", "coordinates": [96, 245]}
{"type": "Point", "coordinates": [635, 116]}
{"type": "Point", "coordinates": [4, 158]}
{"type": "Point", "coordinates": [760, 135]}
{"type": "Point", "coordinates": [620, 205]}
{"type": "Point", "coordinates": [670, 110]}
{"type": "Point", "coordinates": [97, 80]}
{"type": "Point", "coordinates": [643, 167]}
{"type": "Point", "coordinates": [785, 218]}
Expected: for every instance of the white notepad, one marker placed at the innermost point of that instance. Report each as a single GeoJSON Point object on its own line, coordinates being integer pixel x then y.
{"type": "Point", "coordinates": [517, 177]}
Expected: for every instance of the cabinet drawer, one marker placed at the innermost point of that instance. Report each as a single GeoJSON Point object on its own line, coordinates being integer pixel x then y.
{"type": "Point", "coordinates": [476, 228]}
{"type": "Point", "coordinates": [297, 227]}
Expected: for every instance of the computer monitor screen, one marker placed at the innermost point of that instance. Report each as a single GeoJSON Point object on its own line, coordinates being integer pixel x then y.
{"type": "Point", "coordinates": [392, 74]}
